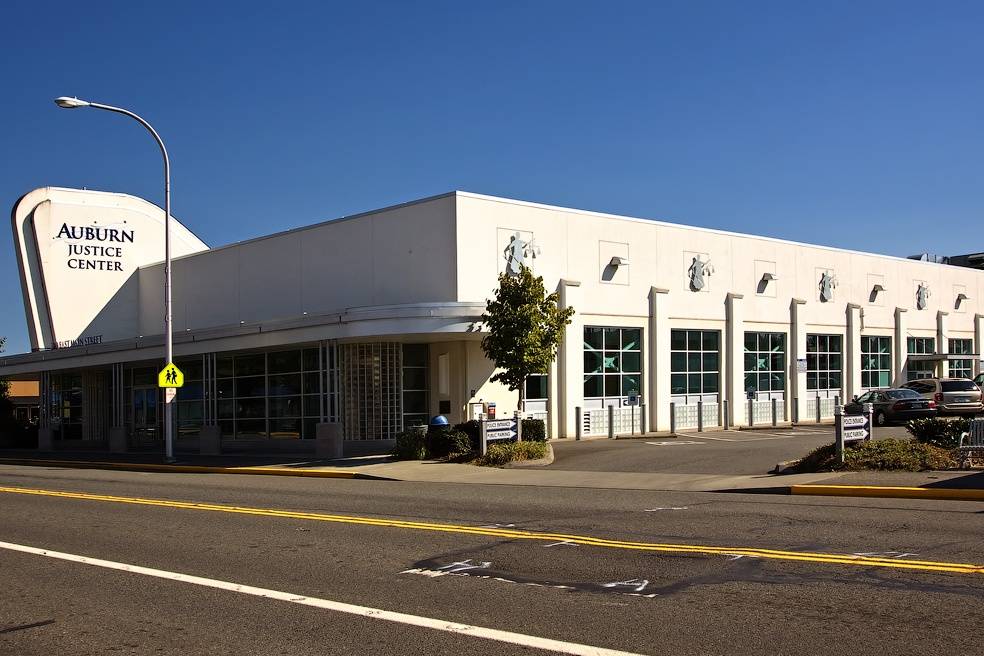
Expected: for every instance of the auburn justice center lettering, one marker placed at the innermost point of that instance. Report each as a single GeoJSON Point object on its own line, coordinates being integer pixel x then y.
{"type": "Point", "coordinates": [85, 257]}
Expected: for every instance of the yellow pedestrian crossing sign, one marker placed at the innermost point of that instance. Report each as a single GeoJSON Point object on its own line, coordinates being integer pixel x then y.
{"type": "Point", "coordinates": [170, 376]}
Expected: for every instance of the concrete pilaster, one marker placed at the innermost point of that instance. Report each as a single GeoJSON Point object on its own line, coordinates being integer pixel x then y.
{"type": "Point", "coordinates": [553, 400]}
{"type": "Point", "coordinates": [658, 361]}
{"type": "Point", "coordinates": [942, 344]}
{"type": "Point", "coordinates": [796, 405]}
{"type": "Point", "coordinates": [735, 359]}
{"type": "Point", "coordinates": [900, 352]}
{"type": "Point", "coordinates": [852, 364]}
{"type": "Point", "coordinates": [570, 360]}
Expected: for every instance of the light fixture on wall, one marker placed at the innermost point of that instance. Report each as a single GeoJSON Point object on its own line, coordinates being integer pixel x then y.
{"type": "Point", "coordinates": [961, 297]}
{"type": "Point", "coordinates": [763, 283]}
{"type": "Point", "coordinates": [618, 261]}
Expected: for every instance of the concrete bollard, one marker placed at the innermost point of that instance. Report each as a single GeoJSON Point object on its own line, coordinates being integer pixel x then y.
{"type": "Point", "coordinates": [210, 440]}
{"type": "Point", "coordinates": [117, 439]}
{"type": "Point", "coordinates": [328, 441]}
{"type": "Point", "coordinates": [726, 418]}
{"type": "Point", "coordinates": [579, 423]}
{"type": "Point", "coordinates": [672, 417]}
{"type": "Point", "coordinates": [611, 422]}
{"type": "Point", "coordinates": [775, 412]}
{"type": "Point", "coordinates": [700, 416]}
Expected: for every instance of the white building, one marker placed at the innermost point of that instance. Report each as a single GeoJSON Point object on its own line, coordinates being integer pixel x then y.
{"type": "Point", "coordinates": [372, 321]}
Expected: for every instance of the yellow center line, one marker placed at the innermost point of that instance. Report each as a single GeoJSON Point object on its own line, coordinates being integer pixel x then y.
{"type": "Point", "coordinates": [517, 534]}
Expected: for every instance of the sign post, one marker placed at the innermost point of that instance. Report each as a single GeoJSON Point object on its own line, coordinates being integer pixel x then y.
{"type": "Point", "coordinates": [851, 428]}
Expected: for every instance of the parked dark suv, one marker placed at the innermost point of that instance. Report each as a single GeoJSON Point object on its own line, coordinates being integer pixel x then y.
{"type": "Point", "coordinates": [953, 396]}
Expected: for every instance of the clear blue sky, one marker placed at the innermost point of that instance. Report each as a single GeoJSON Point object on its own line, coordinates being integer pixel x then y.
{"type": "Point", "coordinates": [854, 124]}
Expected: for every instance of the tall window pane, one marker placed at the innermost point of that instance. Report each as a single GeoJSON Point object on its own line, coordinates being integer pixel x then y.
{"type": "Point", "coordinates": [765, 362]}
{"type": "Point", "coordinates": [612, 362]}
{"type": "Point", "coordinates": [695, 363]}
{"type": "Point", "coordinates": [876, 361]}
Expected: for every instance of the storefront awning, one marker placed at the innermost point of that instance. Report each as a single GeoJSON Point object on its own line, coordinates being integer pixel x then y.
{"type": "Point", "coordinates": [940, 357]}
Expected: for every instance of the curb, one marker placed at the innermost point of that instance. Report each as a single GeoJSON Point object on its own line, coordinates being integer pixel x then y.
{"type": "Point", "coordinates": [191, 469]}
{"type": "Point", "coordinates": [944, 494]}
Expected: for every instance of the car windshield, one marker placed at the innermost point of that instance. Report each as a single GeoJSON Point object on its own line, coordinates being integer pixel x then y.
{"type": "Point", "coordinates": [958, 386]}
{"type": "Point", "coordinates": [895, 395]}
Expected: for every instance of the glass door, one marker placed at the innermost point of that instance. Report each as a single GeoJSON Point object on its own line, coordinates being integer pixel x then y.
{"type": "Point", "coordinates": [145, 425]}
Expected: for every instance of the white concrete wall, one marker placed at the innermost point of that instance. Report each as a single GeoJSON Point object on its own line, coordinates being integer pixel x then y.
{"type": "Point", "coordinates": [396, 256]}
{"type": "Point", "coordinates": [576, 246]}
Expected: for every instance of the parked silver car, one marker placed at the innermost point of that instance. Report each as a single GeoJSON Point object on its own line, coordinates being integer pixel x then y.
{"type": "Point", "coordinates": [953, 396]}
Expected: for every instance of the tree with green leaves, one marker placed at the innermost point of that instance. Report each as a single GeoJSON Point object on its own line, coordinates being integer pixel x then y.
{"type": "Point", "coordinates": [524, 326]}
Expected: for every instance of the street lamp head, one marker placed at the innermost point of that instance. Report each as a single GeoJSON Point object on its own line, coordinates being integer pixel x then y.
{"type": "Point", "coordinates": [70, 103]}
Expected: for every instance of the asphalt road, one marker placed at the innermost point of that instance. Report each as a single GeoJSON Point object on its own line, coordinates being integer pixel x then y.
{"type": "Point", "coordinates": [719, 452]}
{"type": "Point", "coordinates": [382, 545]}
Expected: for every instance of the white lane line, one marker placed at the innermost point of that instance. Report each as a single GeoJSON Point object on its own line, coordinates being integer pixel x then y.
{"type": "Point", "coordinates": [521, 639]}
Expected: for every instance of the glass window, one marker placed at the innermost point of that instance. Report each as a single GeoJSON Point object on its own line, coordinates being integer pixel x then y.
{"type": "Point", "coordinates": [536, 387]}
{"type": "Point", "coordinates": [962, 367]}
{"type": "Point", "coordinates": [823, 362]}
{"type": "Point", "coordinates": [695, 362]}
{"type": "Point", "coordinates": [415, 393]}
{"type": "Point", "coordinates": [919, 369]}
{"type": "Point", "coordinates": [612, 362]}
{"type": "Point", "coordinates": [876, 361]}
{"type": "Point", "coordinates": [765, 364]}
{"type": "Point", "coordinates": [284, 362]}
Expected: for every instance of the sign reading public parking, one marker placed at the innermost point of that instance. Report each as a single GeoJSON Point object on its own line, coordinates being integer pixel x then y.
{"type": "Point", "coordinates": [170, 376]}
{"type": "Point", "coordinates": [855, 427]}
{"type": "Point", "coordinates": [500, 429]}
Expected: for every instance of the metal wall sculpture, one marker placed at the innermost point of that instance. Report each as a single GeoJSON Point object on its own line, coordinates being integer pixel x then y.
{"type": "Point", "coordinates": [828, 282]}
{"type": "Point", "coordinates": [518, 254]}
{"type": "Point", "coordinates": [922, 296]}
{"type": "Point", "coordinates": [698, 271]}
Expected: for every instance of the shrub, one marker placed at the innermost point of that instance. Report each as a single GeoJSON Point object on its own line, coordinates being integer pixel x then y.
{"type": "Point", "coordinates": [534, 430]}
{"type": "Point", "coordinates": [499, 454]}
{"type": "Point", "coordinates": [944, 433]}
{"type": "Point", "coordinates": [888, 455]}
{"type": "Point", "coordinates": [473, 430]}
{"type": "Point", "coordinates": [410, 445]}
{"type": "Point", "coordinates": [443, 443]}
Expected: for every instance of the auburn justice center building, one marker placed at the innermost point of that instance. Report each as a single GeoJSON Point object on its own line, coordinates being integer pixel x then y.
{"type": "Point", "coordinates": [373, 322]}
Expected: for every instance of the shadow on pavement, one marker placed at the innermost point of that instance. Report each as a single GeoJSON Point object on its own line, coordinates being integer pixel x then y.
{"type": "Point", "coordinates": [971, 481]}
{"type": "Point", "coordinates": [226, 460]}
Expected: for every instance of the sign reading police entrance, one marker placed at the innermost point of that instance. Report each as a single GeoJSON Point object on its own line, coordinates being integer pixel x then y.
{"type": "Point", "coordinates": [855, 428]}
{"type": "Point", "coordinates": [170, 376]}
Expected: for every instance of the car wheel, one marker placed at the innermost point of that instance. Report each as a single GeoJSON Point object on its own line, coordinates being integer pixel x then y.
{"type": "Point", "coordinates": [880, 419]}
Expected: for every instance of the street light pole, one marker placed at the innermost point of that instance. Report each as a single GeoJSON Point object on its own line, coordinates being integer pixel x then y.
{"type": "Point", "coordinates": [73, 103]}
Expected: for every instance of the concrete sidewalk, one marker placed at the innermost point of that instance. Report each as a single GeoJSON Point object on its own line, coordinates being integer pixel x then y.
{"type": "Point", "coordinates": [941, 485]}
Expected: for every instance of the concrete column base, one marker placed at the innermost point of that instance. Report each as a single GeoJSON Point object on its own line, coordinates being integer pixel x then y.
{"type": "Point", "coordinates": [46, 440]}
{"type": "Point", "coordinates": [210, 441]}
{"type": "Point", "coordinates": [328, 441]}
{"type": "Point", "coordinates": [118, 442]}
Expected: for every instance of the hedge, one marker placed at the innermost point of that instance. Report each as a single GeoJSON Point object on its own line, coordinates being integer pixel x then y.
{"type": "Point", "coordinates": [944, 433]}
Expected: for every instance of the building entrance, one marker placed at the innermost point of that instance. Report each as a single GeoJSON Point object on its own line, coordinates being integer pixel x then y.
{"type": "Point", "coordinates": [145, 413]}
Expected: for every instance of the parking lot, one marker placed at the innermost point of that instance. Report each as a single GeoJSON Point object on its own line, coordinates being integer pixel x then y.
{"type": "Point", "coordinates": [744, 452]}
